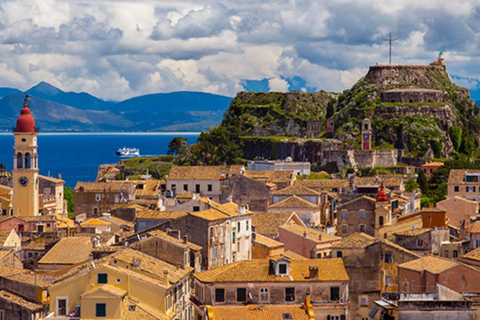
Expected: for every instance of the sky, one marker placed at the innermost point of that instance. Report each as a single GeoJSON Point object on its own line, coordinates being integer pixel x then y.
{"type": "Point", "coordinates": [119, 49]}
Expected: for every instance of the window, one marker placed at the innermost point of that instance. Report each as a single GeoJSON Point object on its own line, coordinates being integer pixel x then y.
{"type": "Point", "coordinates": [98, 197]}
{"type": "Point", "coordinates": [344, 214]}
{"type": "Point", "coordinates": [264, 295]}
{"type": "Point", "coordinates": [334, 293]}
{"type": "Point", "coordinates": [445, 253]}
{"type": "Point", "coordinates": [168, 302]}
{"type": "Point", "coordinates": [241, 294]}
{"type": "Point", "coordinates": [289, 294]}
{"type": "Point", "coordinates": [388, 257]}
{"type": "Point", "coordinates": [196, 208]}
{"type": "Point", "coordinates": [62, 306]}
{"type": "Point", "coordinates": [209, 187]}
{"type": "Point", "coordinates": [344, 229]}
{"type": "Point", "coordinates": [185, 187]}
{"type": "Point", "coordinates": [100, 309]}
{"type": "Point", "coordinates": [238, 226]}
{"type": "Point", "coordinates": [282, 268]}
{"type": "Point", "coordinates": [219, 295]}
{"type": "Point", "coordinates": [363, 228]}
{"type": "Point", "coordinates": [102, 278]}
{"type": "Point", "coordinates": [233, 237]}
{"type": "Point", "coordinates": [246, 225]}
{"type": "Point", "coordinates": [339, 254]}
{"type": "Point", "coordinates": [456, 189]}
{"type": "Point", "coordinates": [197, 188]}
{"type": "Point", "coordinates": [2, 314]}
{"type": "Point", "coordinates": [476, 243]}
{"type": "Point", "coordinates": [470, 189]}
{"type": "Point", "coordinates": [118, 281]}
{"type": "Point", "coordinates": [455, 253]}
{"type": "Point", "coordinates": [419, 243]}
{"type": "Point", "coordinates": [364, 301]}
{"type": "Point", "coordinates": [380, 220]}
{"type": "Point", "coordinates": [362, 214]}
{"type": "Point", "coordinates": [389, 281]}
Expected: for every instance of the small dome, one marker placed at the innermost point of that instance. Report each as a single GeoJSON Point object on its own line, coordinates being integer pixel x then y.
{"type": "Point", "coordinates": [381, 195]}
{"type": "Point", "coordinates": [25, 122]}
{"type": "Point", "coordinates": [288, 159]}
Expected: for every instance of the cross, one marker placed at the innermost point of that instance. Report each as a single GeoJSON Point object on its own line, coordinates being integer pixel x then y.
{"type": "Point", "coordinates": [390, 41]}
{"type": "Point", "coordinates": [26, 99]}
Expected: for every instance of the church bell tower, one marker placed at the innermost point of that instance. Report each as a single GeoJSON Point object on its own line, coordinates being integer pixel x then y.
{"type": "Point", "coordinates": [366, 135]}
{"type": "Point", "coordinates": [25, 165]}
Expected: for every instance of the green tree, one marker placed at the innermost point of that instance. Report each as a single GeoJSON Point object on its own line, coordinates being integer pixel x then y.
{"type": "Point", "coordinates": [330, 108]}
{"type": "Point", "coordinates": [177, 145]}
{"type": "Point", "coordinates": [423, 182]}
{"type": "Point", "coordinates": [411, 185]}
{"type": "Point", "coordinates": [455, 134]}
{"type": "Point", "coordinates": [70, 198]}
{"type": "Point", "coordinates": [219, 145]}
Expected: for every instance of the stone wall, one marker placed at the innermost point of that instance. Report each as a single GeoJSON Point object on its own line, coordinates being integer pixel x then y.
{"type": "Point", "coordinates": [361, 159]}
{"type": "Point", "coordinates": [414, 95]}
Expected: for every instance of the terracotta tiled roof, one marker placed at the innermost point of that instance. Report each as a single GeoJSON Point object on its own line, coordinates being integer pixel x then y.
{"type": "Point", "coordinates": [160, 215]}
{"type": "Point", "coordinates": [219, 211]}
{"type": "Point", "coordinates": [294, 202]}
{"type": "Point", "coordinates": [55, 180]}
{"type": "Point", "coordinates": [4, 253]}
{"type": "Point", "coordinates": [164, 235]}
{"type": "Point", "coordinates": [312, 234]}
{"type": "Point", "coordinates": [117, 221]}
{"type": "Point", "coordinates": [26, 276]}
{"type": "Point", "coordinates": [433, 164]}
{"type": "Point", "coordinates": [25, 304]}
{"type": "Point", "coordinates": [475, 227]}
{"type": "Point", "coordinates": [413, 232]}
{"type": "Point", "coordinates": [62, 253]}
{"type": "Point", "coordinates": [267, 223]}
{"type": "Point", "coordinates": [135, 310]}
{"type": "Point", "coordinates": [111, 186]}
{"type": "Point", "coordinates": [323, 183]}
{"type": "Point", "coordinates": [293, 255]}
{"type": "Point", "coordinates": [151, 188]}
{"type": "Point", "coordinates": [356, 240]}
{"type": "Point", "coordinates": [355, 200]}
{"type": "Point", "coordinates": [432, 264]}
{"type": "Point", "coordinates": [106, 288]}
{"type": "Point", "coordinates": [269, 176]}
{"type": "Point", "coordinates": [197, 173]}
{"type": "Point", "coordinates": [296, 190]}
{"type": "Point", "coordinates": [402, 226]}
{"type": "Point", "coordinates": [151, 265]}
{"type": "Point", "coordinates": [184, 195]}
{"type": "Point", "coordinates": [255, 312]}
{"type": "Point", "coordinates": [257, 270]}
{"type": "Point", "coordinates": [457, 176]}
{"type": "Point", "coordinates": [473, 255]}
{"type": "Point", "coordinates": [64, 222]}
{"type": "Point", "coordinates": [45, 218]}
{"type": "Point", "coordinates": [388, 181]}
{"type": "Point", "coordinates": [269, 242]}
{"type": "Point", "coordinates": [95, 222]}
{"type": "Point", "coordinates": [4, 233]}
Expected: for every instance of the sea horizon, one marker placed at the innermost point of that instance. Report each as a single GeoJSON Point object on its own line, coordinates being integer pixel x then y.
{"type": "Point", "coordinates": [165, 133]}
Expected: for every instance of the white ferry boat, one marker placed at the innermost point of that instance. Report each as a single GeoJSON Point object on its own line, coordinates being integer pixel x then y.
{"type": "Point", "coordinates": [128, 152]}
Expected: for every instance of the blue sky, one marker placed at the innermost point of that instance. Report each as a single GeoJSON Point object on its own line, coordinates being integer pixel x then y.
{"type": "Point", "coordinates": [119, 49]}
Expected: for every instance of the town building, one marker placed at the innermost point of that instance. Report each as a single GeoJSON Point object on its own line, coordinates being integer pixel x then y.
{"type": "Point", "coordinates": [264, 247]}
{"type": "Point", "coordinates": [273, 178]}
{"type": "Point", "coordinates": [244, 190]}
{"type": "Point", "coordinates": [366, 135]}
{"type": "Point", "coordinates": [371, 264]}
{"type": "Point", "coordinates": [307, 242]}
{"type": "Point", "coordinates": [267, 223]}
{"type": "Point", "coordinates": [423, 241]}
{"type": "Point", "coordinates": [297, 167]}
{"type": "Point", "coordinates": [96, 198]}
{"type": "Point", "coordinates": [306, 210]}
{"type": "Point", "coordinates": [464, 183]}
{"type": "Point", "coordinates": [205, 181]}
{"type": "Point", "coordinates": [459, 209]}
{"type": "Point", "coordinates": [278, 281]}
{"type": "Point", "coordinates": [68, 252]}
{"type": "Point", "coordinates": [125, 285]}
{"type": "Point", "coordinates": [429, 168]}
{"type": "Point", "coordinates": [314, 127]}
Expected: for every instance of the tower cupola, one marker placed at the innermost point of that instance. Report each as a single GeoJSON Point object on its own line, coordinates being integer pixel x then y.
{"type": "Point", "coordinates": [25, 122]}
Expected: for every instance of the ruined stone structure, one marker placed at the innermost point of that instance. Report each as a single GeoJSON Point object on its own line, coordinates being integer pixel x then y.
{"type": "Point", "coordinates": [414, 94]}
{"type": "Point", "coordinates": [330, 125]}
{"type": "Point", "coordinates": [314, 127]}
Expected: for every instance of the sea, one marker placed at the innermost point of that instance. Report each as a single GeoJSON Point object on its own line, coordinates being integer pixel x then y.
{"type": "Point", "coordinates": [76, 156]}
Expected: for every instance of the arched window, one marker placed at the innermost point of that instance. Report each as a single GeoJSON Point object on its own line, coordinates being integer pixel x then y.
{"type": "Point", "coordinates": [380, 220]}
{"type": "Point", "coordinates": [95, 211]}
{"type": "Point", "coordinates": [19, 160]}
{"type": "Point", "coordinates": [28, 160]}
{"type": "Point", "coordinates": [366, 126]}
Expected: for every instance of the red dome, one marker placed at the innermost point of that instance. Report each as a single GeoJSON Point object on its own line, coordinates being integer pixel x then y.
{"type": "Point", "coordinates": [25, 123]}
{"type": "Point", "coordinates": [381, 195]}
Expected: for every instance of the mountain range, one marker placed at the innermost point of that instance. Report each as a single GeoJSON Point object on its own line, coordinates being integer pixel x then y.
{"type": "Point", "coordinates": [57, 110]}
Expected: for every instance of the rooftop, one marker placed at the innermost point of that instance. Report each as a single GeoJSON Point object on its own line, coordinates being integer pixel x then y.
{"type": "Point", "coordinates": [457, 176]}
{"type": "Point", "coordinates": [200, 172]}
{"type": "Point", "coordinates": [432, 264]}
{"type": "Point", "coordinates": [254, 312]}
{"type": "Point", "coordinates": [12, 298]}
{"type": "Point", "coordinates": [62, 253]}
{"type": "Point", "coordinates": [294, 202]}
{"type": "Point", "coordinates": [324, 183]}
{"type": "Point", "coordinates": [311, 234]}
{"type": "Point", "coordinates": [296, 189]}
{"type": "Point", "coordinates": [111, 186]}
{"type": "Point", "coordinates": [257, 270]}
{"type": "Point", "coordinates": [268, 242]}
{"type": "Point", "coordinates": [270, 176]}
{"type": "Point", "coordinates": [267, 223]}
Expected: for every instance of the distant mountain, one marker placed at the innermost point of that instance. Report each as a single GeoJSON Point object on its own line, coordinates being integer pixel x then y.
{"type": "Point", "coordinates": [80, 100]}
{"type": "Point", "coordinates": [56, 110]}
{"type": "Point", "coordinates": [6, 91]}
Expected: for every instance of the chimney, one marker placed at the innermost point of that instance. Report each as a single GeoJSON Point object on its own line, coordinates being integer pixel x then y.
{"type": "Point", "coordinates": [137, 263]}
{"type": "Point", "coordinates": [320, 236]}
{"type": "Point", "coordinates": [313, 270]}
{"type": "Point", "coordinates": [185, 238]}
{"type": "Point", "coordinates": [304, 234]}
{"type": "Point", "coordinates": [60, 176]}
{"type": "Point", "coordinates": [165, 276]}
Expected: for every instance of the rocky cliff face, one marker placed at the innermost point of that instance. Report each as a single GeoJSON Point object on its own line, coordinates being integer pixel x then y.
{"type": "Point", "coordinates": [264, 114]}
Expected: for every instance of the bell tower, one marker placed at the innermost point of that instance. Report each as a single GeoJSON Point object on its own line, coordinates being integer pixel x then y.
{"type": "Point", "coordinates": [366, 135]}
{"type": "Point", "coordinates": [25, 165]}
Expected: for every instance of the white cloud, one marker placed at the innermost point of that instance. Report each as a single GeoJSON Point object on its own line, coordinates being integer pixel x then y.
{"type": "Point", "coordinates": [278, 85]}
{"type": "Point", "coordinates": [118, 49]}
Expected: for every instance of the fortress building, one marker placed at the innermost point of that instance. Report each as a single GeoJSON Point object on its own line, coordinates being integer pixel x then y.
{"type": "Point", "coordinates": [33, 194]}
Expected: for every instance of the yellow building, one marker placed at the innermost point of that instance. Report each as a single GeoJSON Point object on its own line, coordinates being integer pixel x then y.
{"type": "Point", "coordinates": [126, 285]}
{"type": "Point", "coordinates": [25, 165]}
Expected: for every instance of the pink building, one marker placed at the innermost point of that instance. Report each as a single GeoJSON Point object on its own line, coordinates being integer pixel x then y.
{"type": "Point", "coordinates": [428, 168]}
{"type": "Point", "coordinates": [307, 242]}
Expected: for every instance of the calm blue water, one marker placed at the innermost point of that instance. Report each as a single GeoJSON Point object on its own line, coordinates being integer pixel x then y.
{"type": "Point", "coordinates": [77, 155]}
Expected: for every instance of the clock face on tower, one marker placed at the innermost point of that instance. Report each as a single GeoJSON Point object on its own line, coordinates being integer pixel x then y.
{"type": "Point", "coordinates": [23, 181]}
{"type": "Point", "coordinates": [366, 136]}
